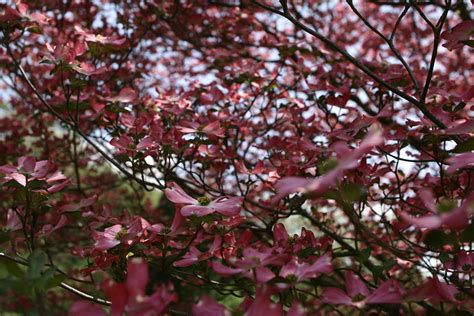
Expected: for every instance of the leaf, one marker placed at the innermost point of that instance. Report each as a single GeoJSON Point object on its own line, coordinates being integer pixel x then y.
{"type": "Point", "coordinates": [327, 166]}
{"type": "Point", "coordinates": [364, 255]}
{"type": "Point", "coordinates": [468, 234]}
{"type": "Point", "coordinates": [353, 192]}
{"type": "Point", "coordinates": [446, 206]}
{"type": "Point", "coordinates": [444, 257]}
{"type": "Point", "coordinates": [466, 146]}
{"type": "Point", "coordinates": [437, 239]}
{"type": "Point", "coordinates": [12, 267]}
{"type": "Point", "coordinates": [36, 263]}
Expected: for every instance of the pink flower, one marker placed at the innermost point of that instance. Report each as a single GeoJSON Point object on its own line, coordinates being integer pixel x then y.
{"type": "Point", "coordinates": [194, 255]}
{"type": "Point", "coordinates": [211, 129]}
{"type": "Point", "coordinates": [357, 294]}
{"type": "Point", "coordinates": [297, 184]}
{"type": "Point", "coordinates": [463, 262]}
{"type": "Point", "coordinates": [109, 238]}
{"type": "Point", "coordinates": [119, 234]}
{"type": "Point", "coordinates": [302, 270]}
{"type": "Point", "coordinates": [81, 308]}
{"type": "Point", "coordinates": [203, 205]}
{"type": "Point", "coordinates": [212, 96]}
{"type": "Point", "coordinates": [460, 161]}
{"type": "Point", "coordinates": [251, 260]}
{"type": "Point", "coordinates": [126, 95]}
{"type": "Point", "coordinates": [29, 170]}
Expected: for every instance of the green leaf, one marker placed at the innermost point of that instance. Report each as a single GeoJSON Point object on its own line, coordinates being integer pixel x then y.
{"type": "Point", "coordinates": [352, 192]}
{"type": "Point", "coordinates": [468, 234]}
{"type": "Point", "coordinates": [446, 206]}
{"type": "Point", "coordinates": [36, 263]}
{"type": "Point", "coordinates": [444, 257]}
{"type": "Point", "coordinates": [326, 166]}
{"type": "Point", "coordinates": [437, 239]}
{"type": "Point", "coordinates": [364, 255]}
{"type": "Point", "coordinates": [466, 146]}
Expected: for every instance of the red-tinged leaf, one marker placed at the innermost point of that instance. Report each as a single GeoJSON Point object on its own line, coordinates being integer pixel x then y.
{"type": "Point", "coordinates": [296, 309]}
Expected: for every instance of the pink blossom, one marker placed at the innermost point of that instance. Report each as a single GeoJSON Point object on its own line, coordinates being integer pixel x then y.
{"type": "Point", "coordinates": [209, 307]}
{"type": "Point", "coordinates": [304, 270]}
{"type": "Point", "coordinates": [202, 206]}
{"type": "Point", "coordinates": [434, 291]}
{"type": "Point", "coordinates": [211, 129]}
{"type": "Point", "coordinates": [252, 259]}
{"type": "Point", "coordinates": [357, 294]}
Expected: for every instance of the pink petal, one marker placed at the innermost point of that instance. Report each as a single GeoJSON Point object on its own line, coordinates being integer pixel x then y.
{"type": "Point", "coordinates": [457, 219]}
{"type": "Point", "coordinates": [208, 307]}
{"type": "Point", "coordinates": [224, 270]}
{"type": "Point", "coordinates": [82, 308]}
{"type": "Point", "coordinates": [388, 292]}
{"type": "Point", "coordinates": [117, 294]}
{"type": "Point", "coordinates": [428, 199]}
{"type": "Point", "coordinates": [137, 278]}
{"type": "Point", "coordinates": [279, 232]}
{"type": "Point", "coordinates": [198, 210]}
{"type": "Point", "coordinates": [177, 195]}
{"type": "Point", "coordinates": [460, 161]}
{"type": "Point", "coordinates": [264, 274]}
{"type": "Point", "coordinates": [28, 163]}
{"type": "Point", "coordinates": [355, 286]}
{"type": "Point", "coordinates": [227, 207]}
{"type": "Point", "coordinates": [18, 177]}
{"type": "Point", "coordinates": [460, 127]}
{"type": "Point", "coordinates": [57, 176]}
{"type": "Point", "coordinates": [126, 95]}
{"type": "Point", "coordinates": [146, 142]}
{"type": "Point", "coordinates": [426, 221]}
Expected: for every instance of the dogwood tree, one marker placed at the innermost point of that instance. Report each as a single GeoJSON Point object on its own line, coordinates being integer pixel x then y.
{"type": "Point", "coordinates": [236, 157]}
